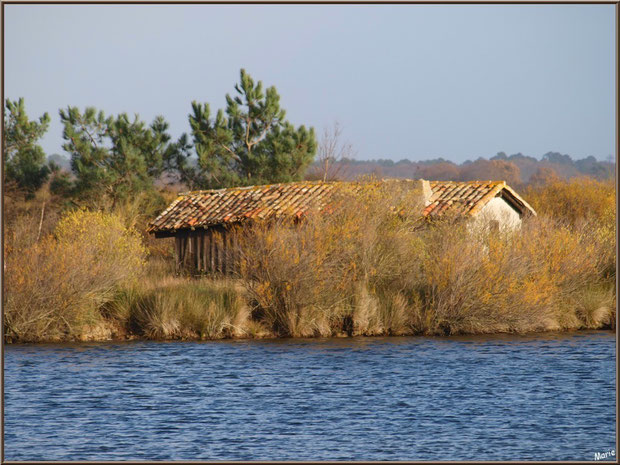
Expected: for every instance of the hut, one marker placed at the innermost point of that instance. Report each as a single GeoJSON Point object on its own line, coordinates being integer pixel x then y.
{"type": "Point", "coordinates": [200, 221]}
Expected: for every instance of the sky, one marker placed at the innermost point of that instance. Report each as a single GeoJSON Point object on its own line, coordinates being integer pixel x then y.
{"type": "Point", "coordinates": [403, 81]}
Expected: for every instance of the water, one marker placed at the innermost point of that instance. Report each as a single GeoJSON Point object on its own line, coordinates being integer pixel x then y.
{"type": "Point", "coordinates": [543, 397]}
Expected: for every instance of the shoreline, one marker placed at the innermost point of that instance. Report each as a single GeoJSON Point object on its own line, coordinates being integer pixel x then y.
{"type": "Point", "coordinates": [342, 336]}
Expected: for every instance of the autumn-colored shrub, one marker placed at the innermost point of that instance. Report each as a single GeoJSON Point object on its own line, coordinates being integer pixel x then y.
{"type": "Point", "coordinates": [138, 210]}
{"type": "Point", "coordinates": [55, 286]}
{"type": "Point", "coordinates": [364, 267]}
{"type": "Point", "coordinates": [323, 275]}
{"type": "Point", "coordinates": [586, 205]}
{"type": "Point", "coordinates": [534, 279]}
{"type": "Point", "coordinates": [578, 200]}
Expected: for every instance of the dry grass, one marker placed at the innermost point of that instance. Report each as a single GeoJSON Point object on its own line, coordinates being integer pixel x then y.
{"type": "Point", "coordinates": [182, 308]}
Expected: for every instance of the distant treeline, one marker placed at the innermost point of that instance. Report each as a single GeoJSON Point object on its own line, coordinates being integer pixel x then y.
{"type": "Point", "coordinates": [516, 169]}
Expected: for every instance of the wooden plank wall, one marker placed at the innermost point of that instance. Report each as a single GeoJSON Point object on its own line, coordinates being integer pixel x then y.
{"type": "Point", "coordinates": [212, 250]}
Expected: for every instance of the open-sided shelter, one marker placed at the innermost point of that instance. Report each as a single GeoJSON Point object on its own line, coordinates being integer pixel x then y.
{"type": "Point", "coordinates": [200, 221]}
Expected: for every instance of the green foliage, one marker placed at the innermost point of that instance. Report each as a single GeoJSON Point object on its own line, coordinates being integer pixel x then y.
{"type": "Point", "coordinates": [114, 156]}
{"type": "Point", "coordinates": [249, 143]}
{"type": "Point", "coordinates": [24, 160]}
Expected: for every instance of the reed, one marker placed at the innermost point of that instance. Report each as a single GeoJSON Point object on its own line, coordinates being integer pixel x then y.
{"type": "Point", "coordinates": [171, 307]}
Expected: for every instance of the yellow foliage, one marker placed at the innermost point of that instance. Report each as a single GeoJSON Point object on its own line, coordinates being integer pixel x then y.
{"type": "Point", "coordinates": [362, 269]}
{"type": "Point", "coordinates": [55, 287]}
{"type": "Point", "coordinates": [579, 199]}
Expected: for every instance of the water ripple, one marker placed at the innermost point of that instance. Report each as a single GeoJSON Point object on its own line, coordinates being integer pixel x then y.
{"type": "Point", "coordinates": [543, 397]}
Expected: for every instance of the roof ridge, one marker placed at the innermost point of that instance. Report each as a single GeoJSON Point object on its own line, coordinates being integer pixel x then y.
{"type": "Point", "coordinates": [278, 184]}
{"type": "Point", "coordinates": [256, 186]}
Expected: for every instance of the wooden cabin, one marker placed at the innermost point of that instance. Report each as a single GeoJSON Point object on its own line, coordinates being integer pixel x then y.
{"type": "Point", "coordinates": [201, 221]}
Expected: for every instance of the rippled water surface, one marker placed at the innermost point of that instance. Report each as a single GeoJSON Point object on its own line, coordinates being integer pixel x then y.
{"type": "Point", "coordinates": [544, 397]}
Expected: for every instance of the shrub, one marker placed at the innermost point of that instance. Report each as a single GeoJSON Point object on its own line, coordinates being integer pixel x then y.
{"type": "Point", "coordinates": [578, 200]}
{"type": "Point", "coordinates": [532, 280]}
{"type": "Point", "coordinates": [55, 287]}
{"type": "Point", "coordinates": [364, 267]}
{"type": "Point", "coordinates": [318, 276]}
{"type": "Point", "coordinates": [588, 207]}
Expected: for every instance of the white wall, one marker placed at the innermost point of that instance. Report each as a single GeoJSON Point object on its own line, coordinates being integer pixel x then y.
{"type": "Point", "coordinates": [499, 210]}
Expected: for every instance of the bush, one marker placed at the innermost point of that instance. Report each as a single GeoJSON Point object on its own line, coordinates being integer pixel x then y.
{"type": "Point", "coordinates": [323, 275]}
{"type": "Point", "coordinates": [588, 207]}
{"type": "Point", "coordinates": [364, 267]}
{"type": "Point", "coordinates": [575, 201]}
{"type": "Point", "coordinates": [55, 286]}
{"type": "Point", "coordinates": [532, 280]}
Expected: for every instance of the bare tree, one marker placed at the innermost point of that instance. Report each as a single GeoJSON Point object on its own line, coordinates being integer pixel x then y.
{"type": "Point", "coordinates": [333, 155]}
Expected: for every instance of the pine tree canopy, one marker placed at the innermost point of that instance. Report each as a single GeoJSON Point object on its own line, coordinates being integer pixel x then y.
{"type": "Point", "coordinates": [24, 159]}
{"type": "Point", "coordinates": [115, 155]}
{"type": "Point", "coordinates": [249, 143]}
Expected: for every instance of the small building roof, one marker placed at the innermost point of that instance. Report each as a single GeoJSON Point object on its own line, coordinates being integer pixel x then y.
{"type": "Point", "coordinates": [205, 208]}
{"type": "Point", "coordinates": [468, 198]}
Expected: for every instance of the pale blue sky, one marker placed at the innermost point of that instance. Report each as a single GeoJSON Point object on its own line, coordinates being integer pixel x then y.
{"type": "Point", "coordinates": [405, 81]}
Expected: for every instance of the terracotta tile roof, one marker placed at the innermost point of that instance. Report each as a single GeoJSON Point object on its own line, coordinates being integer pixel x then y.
{"type": "Point", "coordinates": [468, 198]}
{"type": "Point", "coordinates": [212, 207]}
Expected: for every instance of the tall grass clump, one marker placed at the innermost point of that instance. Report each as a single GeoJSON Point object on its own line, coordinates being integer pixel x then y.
{"type": "Point", "coordinates": [56, 284]}
{"type": "Point", "coordinates": [181, 308]}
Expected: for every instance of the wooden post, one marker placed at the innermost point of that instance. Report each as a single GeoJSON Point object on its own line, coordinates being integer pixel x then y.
{"type": "Point", "coordinates": [219, 252]}
{"type": "Point", "coordinates": [195, 250]}
{"type": "Point", "coordinates": [177, 252]}
{"type": "Point", "coordinates": [181, 242]}
{"type": "Point", "coordinates": [198, 250]}
{"type": "Point", "coordinates": [186, 249]}
{"type": "Point", "coordinates": [188, 262]}
{"type": "Point", "coordinates": [236, 253]}
{"type": "Point", "coordinates": [207, 251]}
{"type": "Point", "coordinates": [224, 252]}
{"type": "Point", "coordinates": [218, 247]}
{"type": "Point", "coordinates": [213, 247]}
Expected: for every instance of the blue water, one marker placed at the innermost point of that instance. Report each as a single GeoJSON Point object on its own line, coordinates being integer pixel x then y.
{"type": "Point", "coordinates": [541, 397]}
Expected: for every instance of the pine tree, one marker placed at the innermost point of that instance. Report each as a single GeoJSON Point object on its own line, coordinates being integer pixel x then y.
{"type": "Point", "coordinates": [249, 143]}
{"type": "Point", "coordinates": [116, 157]}
{"type": "Point", "coordinates": [24, 159]}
